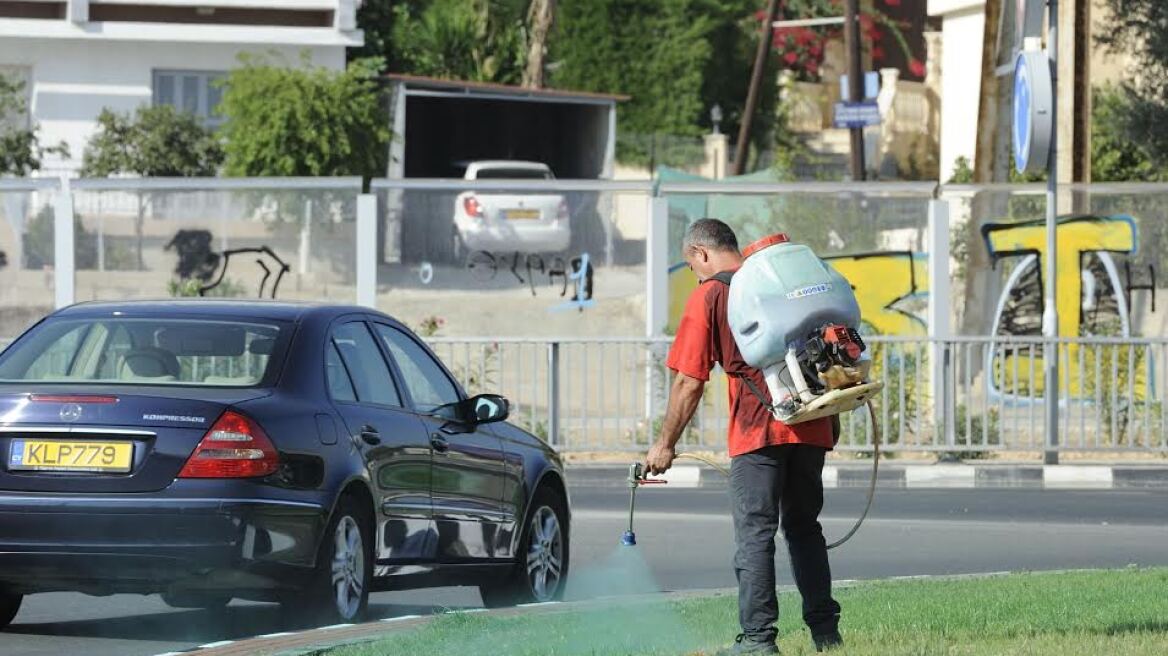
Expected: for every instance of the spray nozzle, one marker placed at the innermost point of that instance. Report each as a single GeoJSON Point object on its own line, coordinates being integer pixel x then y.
{"type": "Point", "coordinates": [638, 476]}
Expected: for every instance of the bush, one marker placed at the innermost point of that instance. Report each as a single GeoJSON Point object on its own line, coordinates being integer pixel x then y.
{"type": "Point", "coordinates": [308, 121]}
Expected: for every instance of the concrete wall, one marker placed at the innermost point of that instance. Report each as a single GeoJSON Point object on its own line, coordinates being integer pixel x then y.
{"type": "Point", "coordinates": [72, 80]}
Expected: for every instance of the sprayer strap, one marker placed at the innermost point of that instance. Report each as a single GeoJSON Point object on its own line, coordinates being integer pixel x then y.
{"type": "Point", "coordinates": [753, 389]}
{"type": "Point", "coordinates": [725, 277]}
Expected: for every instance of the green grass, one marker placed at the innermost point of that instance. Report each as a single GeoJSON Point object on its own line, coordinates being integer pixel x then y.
{"type": "Point", "coordinates": [1103, 613]}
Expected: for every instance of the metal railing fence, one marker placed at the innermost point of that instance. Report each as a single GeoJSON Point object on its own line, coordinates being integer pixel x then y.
{"type": "Point", "coordinates": [610, 394]}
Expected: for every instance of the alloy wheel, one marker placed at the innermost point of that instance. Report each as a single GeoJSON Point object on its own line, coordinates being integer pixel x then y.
{"type": "Point", "coordinates": [545, 554]}
{"type": "Point", "coordinates": [348, 567]}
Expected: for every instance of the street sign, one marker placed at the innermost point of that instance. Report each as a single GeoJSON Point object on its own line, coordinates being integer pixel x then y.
{"type": "Point", "coordinates": [856, 114]}
{"type": "Point", "coordinates": [871, 86]}
{"type": "Point", "coordinates": [1033, 123]}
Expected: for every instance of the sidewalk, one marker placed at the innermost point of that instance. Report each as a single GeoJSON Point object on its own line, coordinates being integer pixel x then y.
{"type": "Point", "coordinates": [898, 474]}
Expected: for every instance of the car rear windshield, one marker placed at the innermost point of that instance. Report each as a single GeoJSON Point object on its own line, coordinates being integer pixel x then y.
{"type": "Point", "coordinates": [512, 174]}
{"type": "Point", "coordinates": [114, 351]}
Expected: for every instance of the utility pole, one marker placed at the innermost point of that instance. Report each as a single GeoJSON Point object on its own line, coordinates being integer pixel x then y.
{"type": "Point", "coordinates": [1050, 319]}
{"type": "Point", "coordinates": [855, 82]}
{"type": "Point", "coordinates": [990, 127]}
{"type": "Point", "coordinates": [760, 60]}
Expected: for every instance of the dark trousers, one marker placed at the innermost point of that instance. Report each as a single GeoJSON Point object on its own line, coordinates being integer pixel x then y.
{"type": "Point", "coordinates": [780, 481]}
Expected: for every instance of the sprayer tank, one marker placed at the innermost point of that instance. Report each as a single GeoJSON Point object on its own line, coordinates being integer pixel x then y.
{"type": "Point", "coordinates": [783, 293]}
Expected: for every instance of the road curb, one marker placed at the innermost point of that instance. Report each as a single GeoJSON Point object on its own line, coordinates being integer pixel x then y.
{"type": "Point", "coordinates": [925, 476]}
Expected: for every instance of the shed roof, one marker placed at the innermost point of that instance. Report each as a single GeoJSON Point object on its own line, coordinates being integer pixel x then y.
{"type": "Point", "coordinates": [431, 86]}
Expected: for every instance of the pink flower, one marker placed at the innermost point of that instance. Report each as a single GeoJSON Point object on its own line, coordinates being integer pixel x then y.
{"type": "Point", "coordinates": [916, 67]}
{"type": "Point", "coordinates": [791, 57]}
{"type": "Point", "coordinates": [892, 3]}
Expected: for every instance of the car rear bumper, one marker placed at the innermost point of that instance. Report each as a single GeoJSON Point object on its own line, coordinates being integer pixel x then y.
{"type": "Point", "coordinates": [133, 543]}
{"type": "Point", "coordinates": [503, 238]}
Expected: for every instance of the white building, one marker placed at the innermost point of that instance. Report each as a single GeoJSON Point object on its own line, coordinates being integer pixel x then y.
{"type": "Point", "coordinates": [962, 29]}
{"type": "Point", "coordinates": [961, 38]}
{"type": "Point", "coordinates": [80, 56]}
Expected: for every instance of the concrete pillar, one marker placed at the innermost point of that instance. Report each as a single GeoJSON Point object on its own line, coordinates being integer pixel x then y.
{"type": "Point", "coordinates": [939, 311]}
{"type": "Point", "coordinates": [77, 11]}
{"type": "Point", "coordinates": [366, 250]}
{"type": "Point", "coordinates": [346, 15]}
{"type": "Point", "coordinates": [657, 268]}
{"type": "Point", "coordinates": [717, 156]}
{"type": "Point", "coordinates": [64, 278]}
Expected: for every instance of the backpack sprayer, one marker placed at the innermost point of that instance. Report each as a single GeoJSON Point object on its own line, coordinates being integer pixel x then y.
{"type": "Point", "coordinates": [796, 319]}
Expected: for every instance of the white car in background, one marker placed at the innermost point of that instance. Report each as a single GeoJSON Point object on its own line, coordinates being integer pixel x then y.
{"type": "Point", "coordinates": [506, 222]}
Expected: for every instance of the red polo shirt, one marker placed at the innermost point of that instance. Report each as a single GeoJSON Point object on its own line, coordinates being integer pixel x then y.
{"type": "Point", "coordinates": [703, 339]}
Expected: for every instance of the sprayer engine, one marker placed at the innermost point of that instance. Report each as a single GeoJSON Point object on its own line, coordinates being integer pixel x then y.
{"type": "Point", "coordinates": [833, 359]}
{"type": "Point", "coordinates": [796, 318]}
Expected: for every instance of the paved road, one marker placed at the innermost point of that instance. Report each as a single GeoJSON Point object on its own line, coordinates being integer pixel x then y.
{"type": "Point", "coordinates": [685, 537]}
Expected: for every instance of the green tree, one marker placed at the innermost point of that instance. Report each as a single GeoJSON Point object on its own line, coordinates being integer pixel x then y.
{"type": "Point", "coordinates": [1140, 28]}
{"type": "Point", "coordinates": [653, 50]}
{"type": "Point", "coordinates": [1115, 157]}
{"type": "Point", "coordinates": [478, 40]}
{"type": "Point", "coordinates": [306, 121]}
{"type": "Point", "coordinates": [154, 141]}
{"type": "Point", "coordinates": [20, 148]}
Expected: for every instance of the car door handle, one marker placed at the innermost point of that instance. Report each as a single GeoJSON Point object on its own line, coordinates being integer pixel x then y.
{"type": "Point", "coordinates": [370, 436]}
{"type": "Point", "coordinates": [439, 442]}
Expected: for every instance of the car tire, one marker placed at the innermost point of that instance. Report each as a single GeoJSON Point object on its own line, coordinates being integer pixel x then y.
{"type": "Point", "coordinates": [339, 589]}
{"type": "Point", "coordinates": [198, 600]}
{"type": "Point", "coordinates": [542, 568]}
{"type": "Point", "coordinates": [9, 607]}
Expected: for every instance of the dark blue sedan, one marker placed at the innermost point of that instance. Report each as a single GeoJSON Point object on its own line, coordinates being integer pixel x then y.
{"type": "Point", "coordinates": [305, 454]}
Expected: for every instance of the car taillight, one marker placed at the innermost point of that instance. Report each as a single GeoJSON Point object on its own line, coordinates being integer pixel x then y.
{"type": "Point", "coordinates": [235, 447]}
{"type": "Point", "coordinates": [473, 207]}
{"type": "Point", "coordinates": [562, 212]}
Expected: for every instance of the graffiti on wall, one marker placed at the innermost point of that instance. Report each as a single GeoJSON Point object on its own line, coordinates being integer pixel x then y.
{"type": "Point", "coordinates": [1092, 298]}
{"type": "Point", "coordinates": [208, 268]}
{"type": "Point", "coordinates": [526, 267]}
{"type": "Point", "coordinates": [886, 284]}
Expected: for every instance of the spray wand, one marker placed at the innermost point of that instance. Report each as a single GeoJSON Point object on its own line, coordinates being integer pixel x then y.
{"type": "Point", "coordinates": [636, 479]}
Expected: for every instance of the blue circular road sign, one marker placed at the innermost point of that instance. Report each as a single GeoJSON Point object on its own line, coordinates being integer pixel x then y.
{"type": "Point", "coordinates": [1033, 122]}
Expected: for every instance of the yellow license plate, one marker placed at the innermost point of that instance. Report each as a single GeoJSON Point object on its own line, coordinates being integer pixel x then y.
{"type": "Point", "coordinates": [79, 456]}
{"type": "Point", "coordinates": [521, 214]}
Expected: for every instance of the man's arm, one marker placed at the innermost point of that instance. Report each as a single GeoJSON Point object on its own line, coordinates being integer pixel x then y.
{"type": "Point", "coordinates": [684, 397]}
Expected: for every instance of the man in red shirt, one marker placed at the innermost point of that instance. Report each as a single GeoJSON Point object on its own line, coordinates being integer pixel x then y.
{"type": "Point", "coordinates": [776, 470]}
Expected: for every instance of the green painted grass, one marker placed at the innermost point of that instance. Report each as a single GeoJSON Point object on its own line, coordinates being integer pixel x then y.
{"type": "Point", "coordinates": [1101, 613]}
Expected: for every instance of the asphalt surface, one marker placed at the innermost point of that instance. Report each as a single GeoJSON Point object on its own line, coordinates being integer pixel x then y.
{"type": "Point", "coordinates": [686, 539]}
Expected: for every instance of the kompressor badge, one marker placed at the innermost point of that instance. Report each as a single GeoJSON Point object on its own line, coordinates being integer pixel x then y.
{"type": "Point", "coordinates": [811, 290]}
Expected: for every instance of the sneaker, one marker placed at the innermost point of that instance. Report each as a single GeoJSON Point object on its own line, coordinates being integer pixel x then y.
{"type": "Point", "coordinates": [827, 641]}
{"type": "Point", "coordinates": [745, 644]}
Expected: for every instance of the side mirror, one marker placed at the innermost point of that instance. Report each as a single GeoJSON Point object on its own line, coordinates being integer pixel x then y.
{"type": "Point", "coordinates": [486, 409]}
